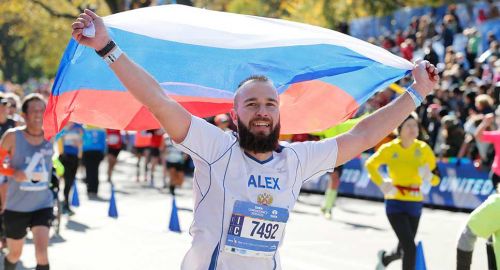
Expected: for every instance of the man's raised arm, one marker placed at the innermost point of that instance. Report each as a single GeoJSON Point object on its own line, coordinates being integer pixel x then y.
{"type": "Point", "coordinates": [375, 127]}
{"type": "Point", "coordinates": [172, 116]}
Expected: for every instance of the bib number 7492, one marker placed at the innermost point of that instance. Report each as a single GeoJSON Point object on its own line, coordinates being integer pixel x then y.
{"type": "Point", "coordinates": [264, 230]}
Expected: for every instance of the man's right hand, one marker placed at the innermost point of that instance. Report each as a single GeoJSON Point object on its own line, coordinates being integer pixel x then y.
{"type": "Point", "coordinates": [101, 33]}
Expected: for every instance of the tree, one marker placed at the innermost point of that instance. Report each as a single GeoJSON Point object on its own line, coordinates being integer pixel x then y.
{"type": "Point", "coordinates": [33, 35]}
{"type": "Point", "coordinates": [326, 13]}
{"type": "Point", "coordinates": [31, 43]}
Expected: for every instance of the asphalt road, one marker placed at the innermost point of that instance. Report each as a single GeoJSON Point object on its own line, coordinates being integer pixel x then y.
{"type": "Point", "coordinates": [139, 237]}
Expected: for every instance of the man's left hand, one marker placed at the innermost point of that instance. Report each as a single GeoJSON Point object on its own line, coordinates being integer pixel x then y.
{"type": "Point", "coordinates": [426, 77]}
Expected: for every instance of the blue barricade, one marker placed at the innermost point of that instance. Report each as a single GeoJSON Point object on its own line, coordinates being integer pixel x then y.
{"type": "Point", "coordinates": [461, 186]}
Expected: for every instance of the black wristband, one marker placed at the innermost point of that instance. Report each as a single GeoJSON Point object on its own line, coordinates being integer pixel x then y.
{"type": "Point", "coordinates": [110, 46]}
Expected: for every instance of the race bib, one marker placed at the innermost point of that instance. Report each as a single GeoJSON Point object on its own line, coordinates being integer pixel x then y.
{"type": "Point", "coordinates": [38, 174]}
{"type": "Point", "coordinates": [72, 139]}
{"type": "Point", "coordinates": [113, 139]}
{"type": "Point", "coordinates": [255, 230]}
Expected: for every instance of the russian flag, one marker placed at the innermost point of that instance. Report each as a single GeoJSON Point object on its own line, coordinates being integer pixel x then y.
{"type": "Point", "coordinates": [199, 57]}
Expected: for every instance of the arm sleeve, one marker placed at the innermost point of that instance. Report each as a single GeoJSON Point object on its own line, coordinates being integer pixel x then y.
{"type": "Point", "coordinates": [205, 142]}
{"type": "Point", "coordinates": [373, 163]}
{"type": "Point", "coordinates": [316, 157]}
{"type": "Point", "coordinates": [491, 136]}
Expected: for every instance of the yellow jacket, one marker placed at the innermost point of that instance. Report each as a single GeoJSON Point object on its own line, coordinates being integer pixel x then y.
{"type": "Point", "coordinates": [403, 168]}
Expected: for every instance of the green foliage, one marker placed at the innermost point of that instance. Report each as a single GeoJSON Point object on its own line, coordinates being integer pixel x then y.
{"type": "Point", "coordinates": [33, 35]}
{"type": "Point", "coordinates": [326, 13]}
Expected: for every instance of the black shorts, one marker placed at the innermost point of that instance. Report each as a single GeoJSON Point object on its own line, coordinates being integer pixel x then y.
{"type": "Point", "coordinates": [339, 169]}
{"type": "Point", "coordinates": [140, 150]}
{"type": "Point", "coordinates": [16, 223]}
{"type": "Point", "coordinates": [114, 152]}
{"type": "Point", "coordinates": [176, 166]}
{"type": "Point", "coordinates": [154, 152]}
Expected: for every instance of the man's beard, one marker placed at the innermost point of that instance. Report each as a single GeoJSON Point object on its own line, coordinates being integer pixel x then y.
{"type": "Point", "coordinates": [259, 143]}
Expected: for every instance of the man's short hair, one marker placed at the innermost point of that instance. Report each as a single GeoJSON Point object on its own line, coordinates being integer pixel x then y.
{"type": "Point", "coordinates": [253, 78]}
{"type": "Point", "coordinates": [257, 78]}
{"type": "Point", "coordinates": [29, 98]}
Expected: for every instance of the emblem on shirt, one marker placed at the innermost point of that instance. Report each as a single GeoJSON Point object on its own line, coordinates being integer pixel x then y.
{"type": "Point", "coordinates": [265, 199]}
{"type": "Point", "coordinates": [395, 156]}
{"type": "Point", "coordinates": [418, 153]}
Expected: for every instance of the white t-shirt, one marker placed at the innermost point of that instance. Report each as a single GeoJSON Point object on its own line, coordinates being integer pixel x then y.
{"type": "Point", "coordinates": [224, 173]}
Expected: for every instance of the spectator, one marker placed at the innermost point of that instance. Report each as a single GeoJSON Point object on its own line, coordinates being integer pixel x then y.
{"type": "Point", "coordinates": [13, 110]}
{"type": "Point", "coordinates": [430, 54]}
{"type": "Point", "coordinates": [407, 48]}
{"type": "Point", "coordinates": [453, 136]}
{"type": "Point", "coordinates": [448, 31]}
{"type": "Point", "coordinates": [473, 42]}
{"type": "Point", "coordinates": [433, 124]}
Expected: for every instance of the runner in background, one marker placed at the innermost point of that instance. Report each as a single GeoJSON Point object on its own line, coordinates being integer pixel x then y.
{"type": "Point", "coordinates": [13, 108]}
{"type": "Point", "coordinates": [483, 222]}
{"type": "Point", "coordinates": [331, 192]}
{"type": "Point", "coordinates": [115, 144]}
{"type": "Point", "coordinates": [29, 200]}
{"type": "Point", "coordinates": [485, 134]}
{"type": "Point", "coordinates": [154, 154]}
{"type": "Point", "coordinates": [334, 181]}
{"type": "Point", "coordinates": [70, 150]}
{"type": "Point", "coordinates": [5, 123]}
{"type": "Point", "coordinates": [141, 147]}
{"type": "Point", "coordinates": [94, 146]}
{"type": "Point", "coordinates": [410, 163]}
{"type": "Point", "coordinates": [175, 163]}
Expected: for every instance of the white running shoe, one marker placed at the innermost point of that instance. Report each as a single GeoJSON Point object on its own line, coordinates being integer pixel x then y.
{"type": "Point", "coordinates": [326, 214]}
{"type": "Point", "coordinates": [380, 257]}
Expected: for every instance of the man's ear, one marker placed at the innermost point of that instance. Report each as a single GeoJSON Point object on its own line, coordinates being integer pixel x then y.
{"type": "Point", "coordinates": [234, 116]}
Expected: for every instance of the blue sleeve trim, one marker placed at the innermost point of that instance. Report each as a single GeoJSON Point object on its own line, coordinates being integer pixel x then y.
{"type": "Point", "coordinates": [325, 170]}
{"type": "Point", "coordinates": [213, 260]}
{"type": "Point", "coordinates": [230, 147]}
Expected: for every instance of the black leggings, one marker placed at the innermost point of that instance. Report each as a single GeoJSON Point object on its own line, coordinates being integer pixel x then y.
{"type": "Point", "coordinates": [405, 226]}
{"type": "Point", "coordinates": [91, 160]}
{"type": "Point", "coordinates": [70, 163]}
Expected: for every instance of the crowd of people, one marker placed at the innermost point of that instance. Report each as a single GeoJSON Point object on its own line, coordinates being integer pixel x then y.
{"type": "Point", "coordinates": [469, 86]}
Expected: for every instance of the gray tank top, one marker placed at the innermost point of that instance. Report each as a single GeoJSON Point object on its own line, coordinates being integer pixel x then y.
{"type": "Point", "coordinates": [36, 161]}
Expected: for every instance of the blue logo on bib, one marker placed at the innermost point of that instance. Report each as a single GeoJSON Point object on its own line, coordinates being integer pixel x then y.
{"type": "Point", "coordinates": [263, 182]}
